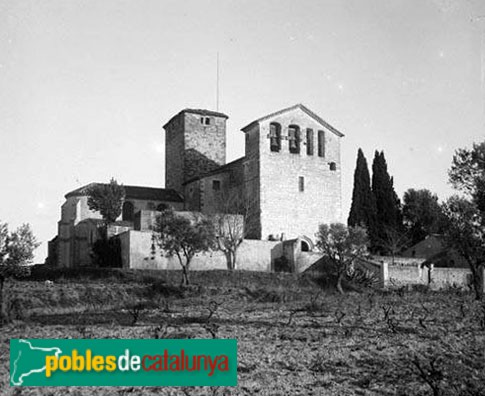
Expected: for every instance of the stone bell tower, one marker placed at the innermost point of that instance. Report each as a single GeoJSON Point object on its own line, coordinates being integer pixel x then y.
{"type": "Point", "coordinates": [195, 144]}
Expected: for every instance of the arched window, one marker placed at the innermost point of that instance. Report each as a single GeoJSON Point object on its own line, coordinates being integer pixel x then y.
{"type": "Point", "coordinates": [309, 141]}
{"type": "Point", "coordinates": [304, 246]}
{"type": "Point", "coordinates": [321, 143]}
{"type": "Point", "coordinates": [333, 166]}
{"type": "Point", "coordinates": [294, 139]}
{"type": "Point", "coordinates": [275, 137]}
{"type": "Point", "coordinates": [128, 211]}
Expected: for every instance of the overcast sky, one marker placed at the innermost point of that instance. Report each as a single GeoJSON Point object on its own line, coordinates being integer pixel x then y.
{"type": "Point", "coordinates": [85, 86]}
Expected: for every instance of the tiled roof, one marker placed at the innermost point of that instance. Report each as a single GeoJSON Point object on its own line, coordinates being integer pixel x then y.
{"type": "Point", "coordinates": [202, 112]}
{"type": "Point", "coordinates": [137, 192]}
{"type": "Point", "coordinates": [297, 106]}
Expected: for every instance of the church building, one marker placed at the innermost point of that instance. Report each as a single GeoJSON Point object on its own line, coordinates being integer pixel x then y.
{"type": "Point", "coordinates": [290, 174]}
{"type": "Point", "coordinates": [290, 178]}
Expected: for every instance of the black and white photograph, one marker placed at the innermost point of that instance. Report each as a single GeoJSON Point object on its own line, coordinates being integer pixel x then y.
{"type": "Point", "coordinates": [241, 197]}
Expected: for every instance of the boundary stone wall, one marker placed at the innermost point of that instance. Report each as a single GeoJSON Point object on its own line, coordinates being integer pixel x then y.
{"type": "Point", "coordinates": [398, 275]}
{"type": "Point", "coordinates": [138, 251]}
{"type": "Point", "coordinates": [408, 271]}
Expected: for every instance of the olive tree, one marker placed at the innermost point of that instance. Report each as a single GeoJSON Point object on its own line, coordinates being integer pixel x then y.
{"type": "Point", "coordinates": [465, 230]}
{"type": "Point", "coordinates": [342, 245]}
{"type": "Point", "coordinates": [16, 251]}
{"type": "Point", "coordinates": [183, 237]}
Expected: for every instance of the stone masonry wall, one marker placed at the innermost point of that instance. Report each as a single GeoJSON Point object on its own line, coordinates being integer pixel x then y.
{"type": "Point", "coordinates": [192, 196]}
{"type": "Point", "coordinates": [284, 209]}
{"type": "Point", "coordinates": [212, 199]}
{"type": "Point", "coordinates": [174, 149]}
{"type": "Point", "coordinates": [230, 189]}
{"type": "Point", "coordinates": [451, 277]}
{"type": "Point", "coordinates": [433, 277]}
{"type": "Point", "coordinates": [73, 211]}
{"type": "Point", "coordinates": [251, 169]}
{"type": "Point", "coordinates": [137, 253]}
{"type": "Point", "coordinates": [193, 148]}
{"type": "Point", "coordinates": [401, 275]}
{"type": "Point", "coordinates": [145, 220]}
{"type": "Point", "coordinates": [204, 146]}
{"type": "Point", "coordinates": [399, 261]}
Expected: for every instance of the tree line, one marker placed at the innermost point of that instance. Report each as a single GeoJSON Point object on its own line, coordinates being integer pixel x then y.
{"type": "Point", "coordinates": [393, 226]}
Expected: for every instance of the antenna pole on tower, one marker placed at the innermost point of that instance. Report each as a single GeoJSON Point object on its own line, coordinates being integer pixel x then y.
{"type": "Point", "coordinates": [217, 84]}
{"type": "Point", "coordinates": [482, 54]}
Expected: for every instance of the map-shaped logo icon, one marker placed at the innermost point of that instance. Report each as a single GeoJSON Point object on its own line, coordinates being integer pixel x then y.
{"type": "Point", "coordinates": [28, 360]}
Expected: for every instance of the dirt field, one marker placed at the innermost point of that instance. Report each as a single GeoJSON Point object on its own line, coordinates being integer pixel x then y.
{"type": "Point", "coordinates": [294, 338]}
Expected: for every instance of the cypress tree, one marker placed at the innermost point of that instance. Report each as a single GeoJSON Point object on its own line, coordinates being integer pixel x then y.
{"type": "Point", "coordinates": [388, 211]}
{"type": "Point", "coordinates": [398, 216]}
{"type": "Point", "coordinates": [363, 208]}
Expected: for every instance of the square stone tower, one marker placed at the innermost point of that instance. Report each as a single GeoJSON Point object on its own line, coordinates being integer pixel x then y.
{"type": "Point", "coordinates": [195, 144]}
{"type": "Point", "coordinates": [292, 173]}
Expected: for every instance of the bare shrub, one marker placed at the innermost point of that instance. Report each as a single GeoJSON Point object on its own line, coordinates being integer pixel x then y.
{"type": "Point", "coordinates": [209, 325]}
{"type": "Point", "coordinates": [15, 308]}
{"type": "Point", "coordinates": [339, 316]}
{"type": "Point", "coordinates": [479, 314]}
{"type": "Point", "coordinates": [83, 331]}
{"type": "Point", "coordinates": [92, 300]}
{"type": "Point", "coordinates": [390, 319]}
{"type": "Point", "coordinates": [264, 295]}
{"type": "Point", "coordinates": [232, 223]}
{"type": "Point", "coordinates": [212, 329]}
{"type": "Point", "coordinates": [160, 331]}
{"type": "Point", "coordinates": [290, 317]}
{"type": "Point", "coordinates": [314, 305]}
{"type": "Point", "coordinates": [430, 373]}
{"type": "Point", "coordinates": [137, 308]}
{"type": "Point", "coordinates": [317, 364]}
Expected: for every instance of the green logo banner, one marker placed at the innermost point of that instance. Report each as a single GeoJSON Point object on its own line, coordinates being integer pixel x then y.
{"type": "Point", "coordinates": [123, 362]}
